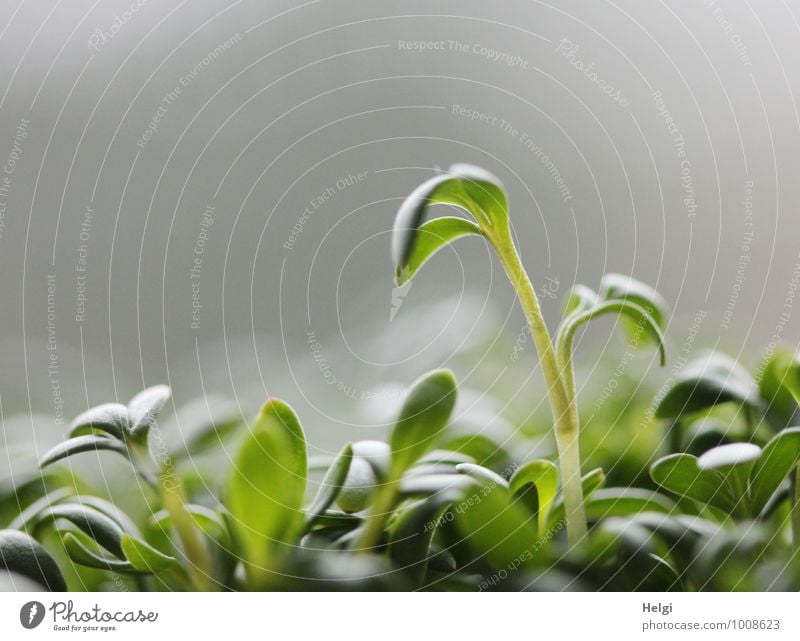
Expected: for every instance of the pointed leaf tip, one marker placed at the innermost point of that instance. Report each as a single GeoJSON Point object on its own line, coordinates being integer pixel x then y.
{"type": "Point", "coordinates": [431, 237]}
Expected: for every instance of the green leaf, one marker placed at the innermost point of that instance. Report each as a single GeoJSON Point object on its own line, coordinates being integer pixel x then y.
{"type": "Point", "coordinates": [145, 558]}
{"type": "Point", "coordinates": [331, 485]}
{"type": "Point", "coordinates": [637, 315]}
{"type": "Point", "coordinates": [624, 501]}
{"type": "Point", "coordinates": [432, 237]}
{"type": "Point", "coordinates": [94, 523]}
{"type": "Point", "coordinates": [144, 409]}
{"type": "Point", "coordinates": [679, 473]}
{"type": "Point", "coordinates": [412, 533]}
{"type": "Point", "coordinates": [79, 444]}
{"type": "Point", "coordinates": [543, 475]}
{"type": "Point", "coordinates": [621, 287]}
{"type": "Point", "coordinates": [498, 529]}
{"type": "Point", "coordinates": [111, 418]}
{"type": "Point", "coordinates": [422, 419]}
{"type": "Point", "coordinates": [710, 380]}
{"type": "Point", "coordinates": [359, 486]}
{"type": "Point", "coordinates": [266, 488]}
{"type": "Point", "coordinates": [779, 456]}
{"type": "Point", "coordinates": [22, 554]}
{"type": "Point", "coordinates": [779, 387]}
{"type": "Point", "coordinates": [473, 189]}
{"type": "Point", "coordinates": [82, 550]}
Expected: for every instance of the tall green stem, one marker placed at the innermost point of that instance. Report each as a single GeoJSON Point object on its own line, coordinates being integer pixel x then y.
{"type": "Point", "coordinates": [560, 386]}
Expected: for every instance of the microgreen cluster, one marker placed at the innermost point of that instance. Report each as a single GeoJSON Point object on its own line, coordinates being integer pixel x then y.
{"type": "Point", "coordinates": [431, 507]}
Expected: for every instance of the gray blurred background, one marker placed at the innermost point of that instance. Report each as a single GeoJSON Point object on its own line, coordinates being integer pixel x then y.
{"type": "Point", "coordinates": [267, 145]}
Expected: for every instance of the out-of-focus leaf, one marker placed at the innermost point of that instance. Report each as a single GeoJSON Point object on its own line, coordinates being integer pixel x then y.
{"type": "Point", "coordinates": [482, 450]}
{"type": "Point", "coordinates": [734, 462]}
{"type": "Point", "coordinates": [624, 501]}
{"type": "Point", "coordinates": [430, 484]}
{"type": "Point", "coordinates": [681, 534]}
{"type": "Point", "coordinates": [639, 319]}
{"type": "Point", "coordinates": [412, 533]}
{"type": "Point", "coordinates": [209, 521]}
{"type": "Point", "coordinates": [780, 455]}
{"type": "Point", "coordinates": [79, 444]}
{"type": "Point", "coordinates": [779, 387]}
{"type": "Point", "coordinates": [377, 453]}
{"type": "Point", "coordinates": [710, 380]}
{"type": "Point", "coordinates": [679, 473]}
{"type": "Point", "coordinates": [111, 418]}
{"type": "Point", "coordinates": [639, 566]}
{"type": "Point", "coordinates": [359, 486]}
{"type": "Point", "coordinates": [496, 528]}
{"type": "Point", "coordinates": [705, 434]}
{"type": "Point", "coordinates": [82, 549]}
{"type": "Point", "coordinates": [621, 287]}
{"type": "Point", "coordinates": [107, 508]}
{"type": "Point", "coordinates": [144, 409]}
{"type": "Point", "coordinates": [22, 554]}
{"type": "Point", "coordinates": [30, 514]}
{"type": "Point", "coordinates": [331, 485]}
{"type": "Point", "coordinates": [202, 425]}
{"type": "Point", "coordinates": [94, 523]}
{"type": "Point", "coordinates": [334, 518]}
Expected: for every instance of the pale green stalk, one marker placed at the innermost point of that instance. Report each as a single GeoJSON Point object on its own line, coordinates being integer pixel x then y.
{"type": "Point", "coordinates": [560, 386]}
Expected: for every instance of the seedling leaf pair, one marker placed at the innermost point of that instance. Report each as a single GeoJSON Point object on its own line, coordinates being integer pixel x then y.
{"type": "Point", "coordinates": [472, 189]}
{"type": "Point", "coordinates": [738, 478]}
